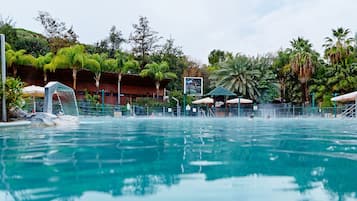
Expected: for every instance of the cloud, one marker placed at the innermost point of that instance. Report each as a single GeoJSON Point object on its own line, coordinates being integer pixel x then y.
{"type": "Point", "coordinates": [251, 27]}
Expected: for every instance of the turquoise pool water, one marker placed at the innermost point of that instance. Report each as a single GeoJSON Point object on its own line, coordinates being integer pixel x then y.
{"type": "Point", "coordinates": [107, 159]}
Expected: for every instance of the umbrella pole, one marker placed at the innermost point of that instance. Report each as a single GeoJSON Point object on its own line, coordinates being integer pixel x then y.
{"type": "Point", "coordinates": [34, 104]}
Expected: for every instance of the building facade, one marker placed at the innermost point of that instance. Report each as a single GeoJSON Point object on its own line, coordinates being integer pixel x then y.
{"type": "Point", "coordinates": [132, 86]}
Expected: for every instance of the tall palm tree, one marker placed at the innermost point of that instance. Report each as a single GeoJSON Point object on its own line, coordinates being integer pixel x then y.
{"type": "Point", "coordinates": [123, 65]}
{"type": "Point", "coordinates": [159, 72]}
{"type": "Point", "coordinates": [43, 62]}
{"type": "Point", "coordinates": [237, 74]}
{"type": "Point", "coordinates": [302, 61]}
{"type": "Point", "coordinates": [340, 47]}
{"type": "Point", "coordinates": [97, 63]}
{"type": "Point", "coordinates": [71, 57]}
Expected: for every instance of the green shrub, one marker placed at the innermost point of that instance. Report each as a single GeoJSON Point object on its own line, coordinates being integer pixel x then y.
{"type": "Point", "coordinates": [13, 92]}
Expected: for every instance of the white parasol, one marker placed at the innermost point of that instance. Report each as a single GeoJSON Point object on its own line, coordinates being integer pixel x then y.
{"type": "Point", "coordinates": [346, 98]}
{"type": "Point", "coordinates": [206, 100]}
{"type": "Point", "coordinates": [33, 91]}
{"type": "Point", "coordinates": [241, 100]}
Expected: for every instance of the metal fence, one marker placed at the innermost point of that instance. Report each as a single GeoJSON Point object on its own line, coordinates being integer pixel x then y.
{"type": "Point", "coordinates": [265, 111]}
{"type": "Point", "coordinates": [198, 111]}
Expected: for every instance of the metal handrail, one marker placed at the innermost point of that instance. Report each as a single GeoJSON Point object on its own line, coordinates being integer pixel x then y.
{"type": "Point", "coordinates": [349, 111]}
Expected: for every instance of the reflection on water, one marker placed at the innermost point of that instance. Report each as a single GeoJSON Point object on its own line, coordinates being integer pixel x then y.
{"type": "Point", "coordinates": [181, 159]}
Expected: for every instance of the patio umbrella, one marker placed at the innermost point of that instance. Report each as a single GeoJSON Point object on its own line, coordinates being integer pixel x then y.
{"type": "Point", "coordinates": [206, 100]}
{"type": "Point", "coordinates": [241, 100]}
{"type": "Point", "coordinates": [33, 91]}
{"type": "Point", "coordinates": [346, 98]}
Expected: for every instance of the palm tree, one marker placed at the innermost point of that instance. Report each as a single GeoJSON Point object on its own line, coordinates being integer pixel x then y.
{"type": "Point", "coordinates": [71, 57]}
{"type": "Point", "coordinates": [157, 71]}
{"type": "Point", "coordinates": [340, 47]}
{"type": "Point", "coordinates": [97, 63]}
{"type": "Point", "coordinates": [123, 65]}
{"type": "Point", "coordinates": [16, 58]}
{"type": "Point", "coordinates": [238, 74]}
{"type": "Point", "coordinates": [43, 63]}
{"type": "Point", "coordinates": [302, 61]}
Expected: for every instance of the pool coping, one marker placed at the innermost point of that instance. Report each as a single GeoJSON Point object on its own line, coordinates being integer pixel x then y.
{"type": "Point", "coordinates": [14, 124]}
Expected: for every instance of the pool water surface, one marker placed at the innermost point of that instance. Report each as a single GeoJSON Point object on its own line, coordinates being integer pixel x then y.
{"type": "Point", "coordinates": [181, 159]}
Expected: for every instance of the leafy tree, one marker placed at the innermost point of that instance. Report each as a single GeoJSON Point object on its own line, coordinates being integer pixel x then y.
{"type": "Point", "coordinates": [159, 72]}
{"type": "Point", "coordinates": [58, 35]}
{"type": "Point", "coordinates": [303, 60]}
{"type": "Point", "coordinates": [34, 44]}
{"type": "Point", "coordinates": [267, 84]}
{"type": "Point", "coordinates": [217, 56]}
{"type": "Point", "coordinates": [93, 100]}
{"type": "Point", "coordinates": [175, 58]}
{"type": "Point", "coordinates": [7, 28]}
{"type": "Point", "coordinates": [281, 67]}
{"type": "Point", "coordinates": [71, 57]}
{"type": "Point", "coordinates": [115, 40]}
{"type": "Point", "coordinates": [143, 40]}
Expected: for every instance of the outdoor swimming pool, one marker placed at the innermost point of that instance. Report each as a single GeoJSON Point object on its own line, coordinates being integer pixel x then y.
{"type": "Point", "coordinates": [181, 159]}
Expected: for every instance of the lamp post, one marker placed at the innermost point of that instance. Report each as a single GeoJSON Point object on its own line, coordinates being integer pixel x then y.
{"type": "Point", "coordinates": [102, 101]}
{"type": "Point", "coordinates": [3, 76]}
{"type": "Point", "coordinates": [239, 105]}
{"type": "Point", "coordinates": [335, 106]}
{"type": "Point", "coordinates": [184, 104]}
{"type": "Point", "coordinates": [313, 102]}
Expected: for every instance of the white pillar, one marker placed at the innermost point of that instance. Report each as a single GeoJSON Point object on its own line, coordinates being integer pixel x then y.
{"type": "Point", "coordinates": [3, 75]}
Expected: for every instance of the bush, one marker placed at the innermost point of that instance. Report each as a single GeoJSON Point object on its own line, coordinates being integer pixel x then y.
{"type": "Point", "coordinates": [13, 92]}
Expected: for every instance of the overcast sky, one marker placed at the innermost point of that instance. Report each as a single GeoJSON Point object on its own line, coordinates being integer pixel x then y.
{"type": "Point", "coordinates": [199, 26]}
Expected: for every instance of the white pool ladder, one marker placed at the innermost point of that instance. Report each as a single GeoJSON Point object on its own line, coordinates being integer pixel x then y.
{"type": "Point", "coordinates": [350, 111]}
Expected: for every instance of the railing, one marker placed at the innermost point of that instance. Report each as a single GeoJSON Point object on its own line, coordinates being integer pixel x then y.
{"type": "Point", "coordinates": [350, 111]}
{"type": "Point", "coordinates": [264, 111]}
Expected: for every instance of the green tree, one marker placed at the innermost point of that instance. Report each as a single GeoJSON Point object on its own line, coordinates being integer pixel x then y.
{"type": "Point", "coordinates": [303, 60]}
{"type": "Point", "coordinates": [217, 56]}
{"type": "Point", "coordinates": [58, 35]}
{"type": "Point", "coordinates": [115, 40]}
{"type": "Point", "coordinates": [341, 69]}
{"type": "Point", "coordinates": [123, 64]}
{"type": "Point", "coordinates": [43, 62]}
{"type": "Point", "coordinates": [18, 58]}
{"type": "Point", "coordinates": [339, 48]}
{"type": "Point", "coordinates": [7, 28]}
{"type": "Point", "coordinates": [267, 83]}
{"type": "Point", "coordinates": [98, 63]}
{"type": "Point", "coordinates": [238, 75]}
{"type": "Point", "coordinates": [34, 43]}
{"type": "Point", "coordinates": [281, 67]}
{"type": "Point", "coordinates": [71, 57]}
{"type": "Point", "coordinates": [158, 72]}
{"type": "Point", "coordinates": [13, 91]}
{"type": "Point", "coordinates": [176, 60]}
{"type": "Point", "coordinates": [143, 40]}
